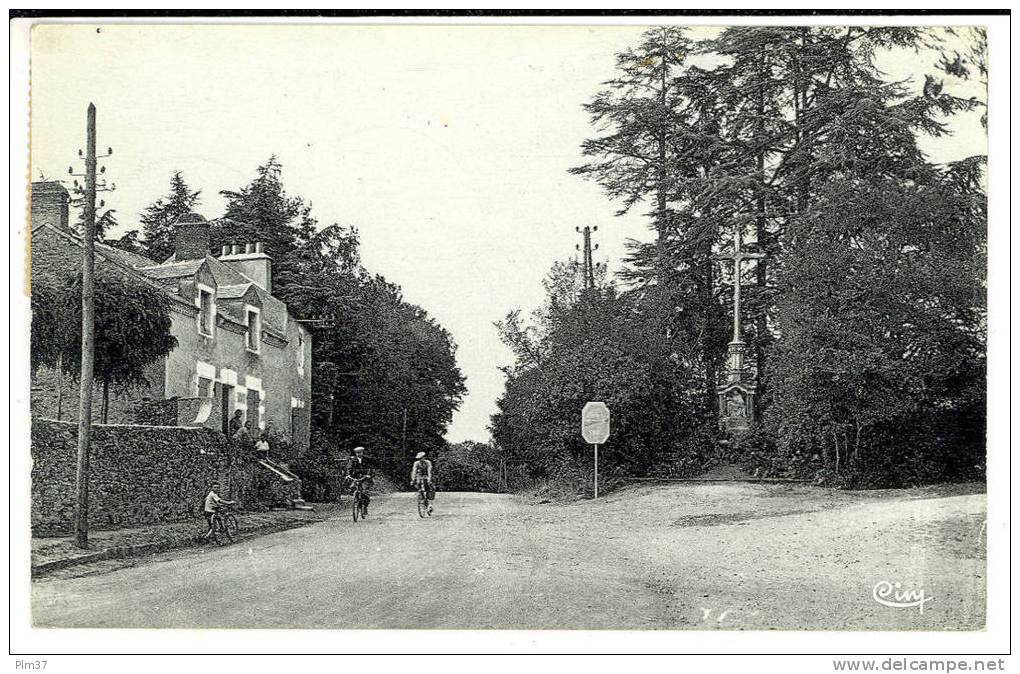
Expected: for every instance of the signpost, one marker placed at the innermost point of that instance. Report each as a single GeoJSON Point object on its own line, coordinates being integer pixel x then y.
{"type": "Point", "coordinates": [595, 430]}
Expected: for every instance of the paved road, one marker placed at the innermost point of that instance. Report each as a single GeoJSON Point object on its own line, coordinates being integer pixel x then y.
{"type": "Point", "coordinates": [691, 557]}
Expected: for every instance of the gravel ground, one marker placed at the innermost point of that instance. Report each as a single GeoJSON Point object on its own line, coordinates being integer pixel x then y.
{"type": "Point", "coordinates": [678, 556]}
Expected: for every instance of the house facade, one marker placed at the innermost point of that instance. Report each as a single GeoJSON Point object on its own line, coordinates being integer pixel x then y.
{"type": "Point", "coordinates": [238, 346]}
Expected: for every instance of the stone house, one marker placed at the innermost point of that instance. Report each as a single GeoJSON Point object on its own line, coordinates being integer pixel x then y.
{"type": "Point", "coordinates": [239, 348]}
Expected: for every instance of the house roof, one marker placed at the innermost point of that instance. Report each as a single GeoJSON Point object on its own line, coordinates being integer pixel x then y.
{"type": "Point", "coordinates": [231, 283]}
{"type": "Point", "coordinates": [116, 256]}
{"type": "Point", "coordinates": [172, 270]}
{"type": "Point", "coordinates": [233, 292]}
{"type": "Point", "coordinates": [125, 256]}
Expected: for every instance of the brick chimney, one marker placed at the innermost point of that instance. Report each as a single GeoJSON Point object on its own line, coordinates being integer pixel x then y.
{"type": "Point", "coordinates": [191, 237]}
{"type": "Point", "coordinates": [50, 204]}
{"type": "Point", "coordinates": [251, 260]}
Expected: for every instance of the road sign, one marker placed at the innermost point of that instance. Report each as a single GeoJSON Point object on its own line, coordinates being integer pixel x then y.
{"type": "Point", "coordinates": [595, 429]}
{"type": "Point", "coordinates": [595, 423]}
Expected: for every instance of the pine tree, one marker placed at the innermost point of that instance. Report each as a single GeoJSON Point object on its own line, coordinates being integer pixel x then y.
{"type": "Point", "coordinates": [158, 218]}
{"type": "Point", "coordinates": [641, 113]}
{"type": "Point", "coordinates": [872, 285]}
{"type": "Point", "coordinates": [658, 124]}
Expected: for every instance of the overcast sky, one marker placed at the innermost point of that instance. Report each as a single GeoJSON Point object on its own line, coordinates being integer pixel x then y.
{"type": "Point", "coordinates": [447, 146]}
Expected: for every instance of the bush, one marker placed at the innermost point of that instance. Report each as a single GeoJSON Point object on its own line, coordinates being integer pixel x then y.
{"type": "Point", "coordinates": [468, 466]}
{"type": "Point", "coordinates": [321, 471]}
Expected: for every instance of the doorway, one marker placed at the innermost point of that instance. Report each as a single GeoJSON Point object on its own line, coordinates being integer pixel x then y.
{"type": "Point", "coordinates": [226, 393]}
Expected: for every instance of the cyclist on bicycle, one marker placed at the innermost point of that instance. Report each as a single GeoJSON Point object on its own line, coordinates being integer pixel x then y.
{"type": "Point", "coordinates": [358, 471]}
{"type": "Point", "coordinates": [212, 504]}
{"type": "Point", "coordinates": [421, 476]}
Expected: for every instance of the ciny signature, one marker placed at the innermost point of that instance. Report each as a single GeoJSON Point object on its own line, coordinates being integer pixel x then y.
{"type": "Point", "coordinates": [890, 594]}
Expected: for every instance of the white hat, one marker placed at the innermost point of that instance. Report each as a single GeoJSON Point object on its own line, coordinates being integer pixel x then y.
{"type": "Point", "coordinates": [420, 455]}
{"type": "Point", "coordinates": [359, 449]}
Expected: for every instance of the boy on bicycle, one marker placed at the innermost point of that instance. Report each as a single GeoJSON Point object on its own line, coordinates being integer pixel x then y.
{"type": "Point", "coordinates": [421, 475]}
{"type": "Point", "coordinates": [212, 503]}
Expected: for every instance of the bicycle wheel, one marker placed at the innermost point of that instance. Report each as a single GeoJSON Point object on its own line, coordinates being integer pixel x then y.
{"type": "Point", "coordinates": [357, 506]}
{"type": "Point", "coordinates": [230, 525]}
{"type": "Point", "coordinates": [423, 505]}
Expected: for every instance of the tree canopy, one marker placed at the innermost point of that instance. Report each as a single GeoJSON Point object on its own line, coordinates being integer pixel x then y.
{"type": "Point", "coordinates": [159, 217]}
{"type": "Point", "coordinates": [865, 321]}
{"type": "Point", "coordinates": [132, 329]}
{"type": "Point", "coordinates": [377, 359]}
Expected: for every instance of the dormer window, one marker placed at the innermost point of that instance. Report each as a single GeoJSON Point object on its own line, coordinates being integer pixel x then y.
{"type": "Point", "coordinates": [253, 338]}
{"type": "Point", "coordinates": [206, 311]}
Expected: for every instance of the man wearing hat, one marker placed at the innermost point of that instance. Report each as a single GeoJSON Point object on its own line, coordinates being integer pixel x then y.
{"type": "Point", "coordinates": [421, 472]}
{"type": "Point", "coordinates": [357, 469]}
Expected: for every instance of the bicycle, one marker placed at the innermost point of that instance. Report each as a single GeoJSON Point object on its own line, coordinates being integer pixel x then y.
{"type": "Point", "coordinates": [360, 505]}
{"type": "Point", "coordinates": [224, 522]}
{"type": "Point", "coordinates": [424, 508]}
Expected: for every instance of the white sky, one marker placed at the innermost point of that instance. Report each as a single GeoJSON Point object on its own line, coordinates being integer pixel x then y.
{"type": "Point", "coordinates": [447, 146]}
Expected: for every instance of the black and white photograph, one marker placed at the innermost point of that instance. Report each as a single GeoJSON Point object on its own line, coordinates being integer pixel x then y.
{"type": "Point", "coordinates": [675, 326]}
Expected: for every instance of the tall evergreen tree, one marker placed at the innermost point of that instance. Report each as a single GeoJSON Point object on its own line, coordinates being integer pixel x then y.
{"type": "Point", "coordinates": [641, 113]}
{"type": "Point", "coordinates": [794, 136]}
{"type": "Point", "coordinates": [158, 218]}
{"type": "Point", "coordinates": [657, 142]}
{"type": "Point", "coordinates": [376, 357]}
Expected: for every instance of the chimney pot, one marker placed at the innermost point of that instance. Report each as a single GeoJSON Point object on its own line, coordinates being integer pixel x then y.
{"type": "Point", "coordinates": [249, 248]}
{"type": "Point", "coordinates": [258, 247]}
{"type": "Point", "coordinates": [235, 249]}
{"type": "Point", "coordinates": [224, 250]}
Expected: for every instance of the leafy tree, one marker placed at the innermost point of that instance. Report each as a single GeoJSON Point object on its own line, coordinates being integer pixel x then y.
{"type": "Point", "coordinates": [48, 322]}
{"type": "Point", "coordinates": [377, 359]}
{"type": "Point", "coordinates": [158, 218]}
{"type": "Point", "coordinates": [263, 211]}
{"type": "Point", "coordinates": [593, 345]}
{"type": "Point", "coordinates": [130, 242]}
{"type": "Point", "coordinates": [868, 313]}
{"type": "Point", "coordinates": [891, 358]}
{"type": "Point", "coordinates": [469, 466]}
{"type": "Point", "coordinates": [132, 330]}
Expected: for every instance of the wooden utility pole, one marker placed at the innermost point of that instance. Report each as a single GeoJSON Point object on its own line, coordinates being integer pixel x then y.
{"type": "Point", "coordinates": [403, 437]}
{"type": "Point", "coordinates": [589, 267]}
{"type": "Point", "coordinates": [88, 337]}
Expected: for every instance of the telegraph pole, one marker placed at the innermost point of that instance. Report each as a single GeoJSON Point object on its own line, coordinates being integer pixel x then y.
{"type": "Point", "coordinates": [88, 337]}
{"type": "Point", "coordinates": [403, 437]}
{"type": "Point", "coordinates": [589, 267]}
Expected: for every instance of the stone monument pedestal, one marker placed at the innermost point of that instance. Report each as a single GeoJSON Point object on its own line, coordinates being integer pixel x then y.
{"type": "Point", "coordinates": [737, 392]}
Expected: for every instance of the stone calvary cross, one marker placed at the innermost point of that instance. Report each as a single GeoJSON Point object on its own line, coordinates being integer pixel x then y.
{"type": "Point", "coordinates": [737, 392]}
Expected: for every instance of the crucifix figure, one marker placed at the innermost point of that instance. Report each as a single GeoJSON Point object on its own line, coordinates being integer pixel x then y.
{"type": "Point", "coordinates": [737, 257]}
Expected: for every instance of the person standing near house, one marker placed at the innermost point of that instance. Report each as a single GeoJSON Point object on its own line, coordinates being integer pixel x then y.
{"type": "Point", "coordinates": [262, 446]}
{"type": "Point", "coordinates": [245, 438]}
{"type": "Point", "coordinates": [236, 423]}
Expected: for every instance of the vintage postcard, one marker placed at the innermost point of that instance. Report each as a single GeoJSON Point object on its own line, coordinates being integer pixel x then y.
{"type": "Point", "coordinates": [676, 325]}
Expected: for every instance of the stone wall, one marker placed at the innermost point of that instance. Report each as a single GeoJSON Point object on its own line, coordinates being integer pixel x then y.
{"type": "Point", "coordinates": [139, 474]}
